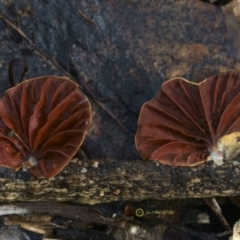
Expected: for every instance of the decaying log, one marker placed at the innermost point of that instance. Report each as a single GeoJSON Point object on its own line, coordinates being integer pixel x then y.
{"type": "Point", "coordinates": [85, 181]}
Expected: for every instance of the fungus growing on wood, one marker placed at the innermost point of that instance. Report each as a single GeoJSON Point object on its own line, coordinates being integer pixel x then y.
{"type": "Point", "coordinates": [186, 123]}
{"type": "Point", "coordinates": [42, 124]}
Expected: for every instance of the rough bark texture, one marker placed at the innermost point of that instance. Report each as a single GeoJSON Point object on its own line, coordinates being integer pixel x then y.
{"type": "Point", "coordinates": [111, 180]}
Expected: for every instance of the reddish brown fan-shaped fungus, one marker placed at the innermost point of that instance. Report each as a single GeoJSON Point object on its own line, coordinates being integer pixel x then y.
{"type": "Point", "coordinates": [186, 123]}
{"type": "Point", "coordinates": [42, 124]}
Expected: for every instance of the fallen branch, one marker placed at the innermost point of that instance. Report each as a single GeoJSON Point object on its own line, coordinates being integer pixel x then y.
{"type": "Point", "coordinates": [84, 181]}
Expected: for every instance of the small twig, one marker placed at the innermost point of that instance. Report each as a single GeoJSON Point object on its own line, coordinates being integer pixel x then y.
{"type": "Point", "coordinates": [203, 235]}
{"type": "Point", "coordinates": [212, 203]}
{"type": "Point", "coordinates": [81, 213]}
{"type": "Point", "coordinates": [86, 18]}
{"type": "Point", "coordinates": [198, 234]}
{"type": "Point", "coordinates": [115, 119]}
{"type": "Point", "coordinates": [83, 82]}
{"type": "Point", "coordinates": [223, 234]}
{"type": "Point", "coordinates": [40, 224]}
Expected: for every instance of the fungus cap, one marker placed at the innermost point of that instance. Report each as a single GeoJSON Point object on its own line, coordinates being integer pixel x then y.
{"type": "Point", "coordinates": [187, 123]}
{"type": "Point", "coordinates": [42, 124]}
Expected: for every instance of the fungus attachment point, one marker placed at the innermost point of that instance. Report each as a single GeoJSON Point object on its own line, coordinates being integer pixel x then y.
{"type": "Point", "coordinates": [228, 147]}
{"type": "Point", "coordinates": [42, 125]}
{"type": "Point", "coordinates": [186, 123]}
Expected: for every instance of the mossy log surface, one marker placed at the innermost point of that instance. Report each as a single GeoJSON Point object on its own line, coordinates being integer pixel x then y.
{"type": "Point", "coordinates": [83, 181]}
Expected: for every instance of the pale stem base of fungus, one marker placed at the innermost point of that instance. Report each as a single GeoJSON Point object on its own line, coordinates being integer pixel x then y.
{"type": "Point", "coordinates": [228, 147]}
{"type": "Point", "coordinates": [32, 161]}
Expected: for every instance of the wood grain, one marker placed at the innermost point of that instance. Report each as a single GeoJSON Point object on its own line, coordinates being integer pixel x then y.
{"type": "Point", "coordinates": [84, 181]}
